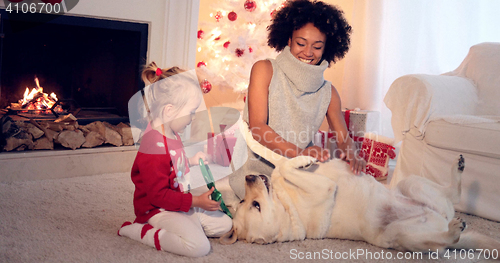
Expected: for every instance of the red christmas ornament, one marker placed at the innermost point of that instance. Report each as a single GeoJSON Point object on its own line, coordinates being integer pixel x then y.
{"type": "Point", "coordinates": [232, 16]}
{"type": "Point", "coordinates": [217, 38]}
{"type": "Point", "coordinates": [250, 5]}
{"type": "Point", "coordinates": [206, 86]}
{"type": "Point", "coordinates": [201, 64]}
{"type": "Point", "coordinates": [201, 33]}
{"type": "Point", "coordinates": [250, 49]}
{"type": "Point", "coordinates": [227, 44]}
{"type": "Point", "coordinates": [245, 99]}
{"type": "Point", "coordinates": [218, 16]}
{"type": "Point", "coordinates": [239, 52]}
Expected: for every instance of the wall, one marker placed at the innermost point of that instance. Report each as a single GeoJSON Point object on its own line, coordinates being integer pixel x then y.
{"type": "Point", "coordinates": [336, 71]}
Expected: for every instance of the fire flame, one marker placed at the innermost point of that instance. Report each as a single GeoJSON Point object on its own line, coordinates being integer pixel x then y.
{"type": "Point", "coordinates": [37, 99]}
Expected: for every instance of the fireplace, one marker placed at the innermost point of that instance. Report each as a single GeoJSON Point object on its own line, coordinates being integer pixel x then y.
{"type": "Point", "coordinates": [161, 25]}
{"type": "Point", "coordinates": [92, 64]}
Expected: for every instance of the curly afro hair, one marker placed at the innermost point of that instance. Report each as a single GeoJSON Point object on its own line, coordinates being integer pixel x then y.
{"type": "Point", "coordinates": [328, 19]}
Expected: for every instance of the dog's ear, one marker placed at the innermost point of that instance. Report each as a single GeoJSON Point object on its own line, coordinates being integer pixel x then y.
{"type": "Point", "coordinates": [229, 237]}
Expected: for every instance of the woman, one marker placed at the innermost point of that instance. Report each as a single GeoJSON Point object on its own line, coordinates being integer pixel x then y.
{"type": "Point", "coordinates": [288, 97]}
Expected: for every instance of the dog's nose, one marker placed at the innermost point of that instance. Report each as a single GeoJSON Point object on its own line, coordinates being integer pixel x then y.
{"type": "Point", "coordinates": [250, 178]}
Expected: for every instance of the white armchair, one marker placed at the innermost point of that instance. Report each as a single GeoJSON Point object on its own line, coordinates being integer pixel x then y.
{"type": "Point", "coordinates": [438, 117]}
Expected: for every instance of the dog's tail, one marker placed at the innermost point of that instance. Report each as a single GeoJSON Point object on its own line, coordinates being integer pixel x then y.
{"type": "Point", "coordinates": [258, 148]}
{"type": "Point", "coordinates": [475, 240]}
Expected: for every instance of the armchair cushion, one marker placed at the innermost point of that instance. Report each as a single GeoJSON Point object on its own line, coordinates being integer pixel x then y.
{"type": "Point", "coordinates": [416, 99]}
{"type": "Point", "coordinates": [466, 134]}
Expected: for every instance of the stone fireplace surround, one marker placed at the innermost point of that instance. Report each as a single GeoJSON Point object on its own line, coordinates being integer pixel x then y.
{"type": "Point", "coordinates": [172, 41]}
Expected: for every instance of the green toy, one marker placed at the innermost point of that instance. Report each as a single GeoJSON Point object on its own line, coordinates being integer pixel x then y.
{"type": "Point", "coordinates": [209, 179]}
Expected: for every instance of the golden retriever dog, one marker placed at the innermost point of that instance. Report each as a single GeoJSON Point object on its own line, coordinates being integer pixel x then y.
{"type": "Point", "coordinates": [306, 199]}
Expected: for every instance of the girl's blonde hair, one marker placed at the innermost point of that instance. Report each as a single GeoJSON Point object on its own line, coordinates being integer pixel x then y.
{"type": "Point", "coordinates": [177, 90]}
{"type": "Point", "coordinates": [149, 75]}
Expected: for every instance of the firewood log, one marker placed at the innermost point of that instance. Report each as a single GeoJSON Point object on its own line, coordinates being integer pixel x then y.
{"type": "Point", "coordinates": [37, 133]}
{"type": "Point", "coordinates": [71, 139]}
{"type": "Point", "coordinates": [124, 130]}
{"type": "Point", "coordinates": [127, 137]}
{"type": "Point", "coordinates": [53, 126]}
{"type": "Point", "coordinates": [111, 136]}
{"type": "Point", "coordinates": [18, 141]}
{"type": "Point", "coordinates": [9, 127]}
{"type": "Point", "coordinates": [49, 137]}
{"type": "Point", "coordinates": [33, 100]}
{"type": "Point", "coordinates": [93, 139]}
{"type": "Point", "coordinates": [44, 143]}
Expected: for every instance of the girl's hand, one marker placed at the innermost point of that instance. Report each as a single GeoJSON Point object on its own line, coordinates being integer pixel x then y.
{"type": "Point", "coordinates": [194, 160]}
{"type": "Point", "coordinates": [319, 153]}
{"type": "Point", "coordinates": [203, 201]}
{"type": "Point", "coordinates": [357, 163]}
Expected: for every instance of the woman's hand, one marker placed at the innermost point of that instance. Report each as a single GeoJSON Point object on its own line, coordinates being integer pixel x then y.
{"type": "Point", "coordinates": [319, 153]}
{"type": "Point", "coordinates": [357, 163]}
{"type": "Point", "coordinates": [194, 160]}
{"type": "Point", "coordinates": [203, 201]}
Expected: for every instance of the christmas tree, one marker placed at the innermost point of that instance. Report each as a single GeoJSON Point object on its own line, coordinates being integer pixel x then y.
{"type": "Point", "coordinates": [234, 39]}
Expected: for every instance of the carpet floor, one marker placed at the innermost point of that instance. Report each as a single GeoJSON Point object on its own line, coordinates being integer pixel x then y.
{"type": "Point", "coordinates": [77, 219]}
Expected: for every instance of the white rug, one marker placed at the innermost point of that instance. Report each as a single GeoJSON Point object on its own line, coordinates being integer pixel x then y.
{"type": "Point", "coordinates": [77, 219]}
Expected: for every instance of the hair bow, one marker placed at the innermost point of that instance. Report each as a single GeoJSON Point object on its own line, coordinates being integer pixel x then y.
{"type": "Point", "coordinates": [158, 71]}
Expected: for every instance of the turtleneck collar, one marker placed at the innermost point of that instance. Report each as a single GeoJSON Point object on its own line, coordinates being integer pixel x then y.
{"type": "Point", "coordinates": [304, 78]}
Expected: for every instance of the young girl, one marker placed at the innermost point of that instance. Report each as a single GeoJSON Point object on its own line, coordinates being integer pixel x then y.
{"type": "Point", "coordinates": [168, 217]}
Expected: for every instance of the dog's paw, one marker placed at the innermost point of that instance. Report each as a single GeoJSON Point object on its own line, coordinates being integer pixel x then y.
{"type": "Point", "coordinates": [303, 161]}
{"type": "Point", "coordinates": [461, 163]}
{"type": "Point", "coordinates": [455, 228]}
{"type": "Point", "coordinates": [458, 224]}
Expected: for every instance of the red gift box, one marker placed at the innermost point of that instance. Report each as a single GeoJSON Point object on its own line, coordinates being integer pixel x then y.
{"type": "Point", "coordinates": [359, 122]}
{"type": "Point", "coordinates": [377, 150]}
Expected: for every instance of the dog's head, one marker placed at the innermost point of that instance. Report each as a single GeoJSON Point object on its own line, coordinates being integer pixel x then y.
{"type": "Point", "coordinates": [256, 219]}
